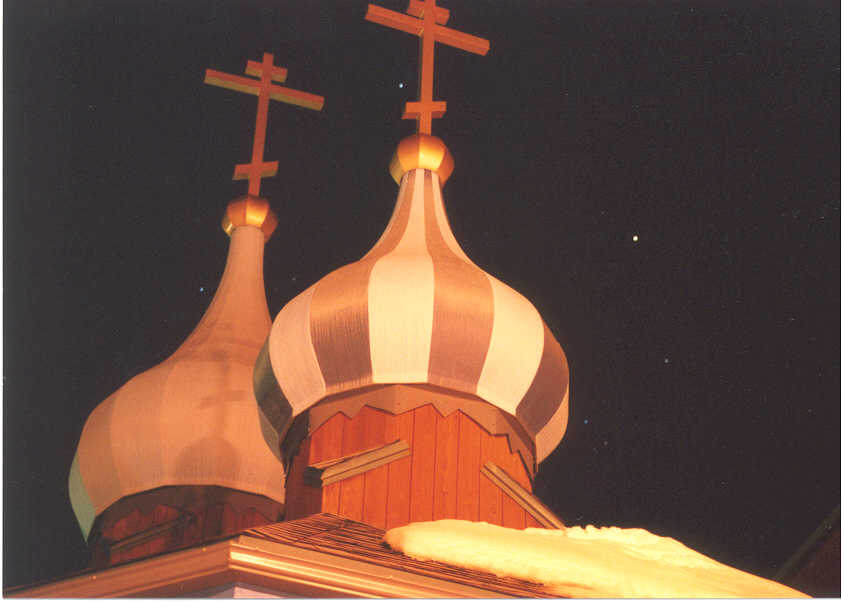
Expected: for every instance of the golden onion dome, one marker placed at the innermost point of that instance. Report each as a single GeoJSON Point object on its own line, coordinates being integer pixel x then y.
{"type": "Point", "coordinates": [193, 419]}
{"type": "Point", "coordinates": [416, 309]}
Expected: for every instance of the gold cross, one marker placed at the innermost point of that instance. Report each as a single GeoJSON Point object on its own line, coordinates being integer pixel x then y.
{"type": "Point", "coordinates": [426, 20]}
{"type": "Point", "coordinates": [265, 90]}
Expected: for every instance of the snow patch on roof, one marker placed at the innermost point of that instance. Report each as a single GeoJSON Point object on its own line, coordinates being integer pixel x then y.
{"type": "Point", "coordinates": [607, 562]}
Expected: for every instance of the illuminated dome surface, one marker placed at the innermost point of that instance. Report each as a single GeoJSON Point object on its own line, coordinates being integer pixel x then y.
{"type": "Point", "coordinates": [193, 419]}
{"type": "Point", "coordinates": [416, 309]}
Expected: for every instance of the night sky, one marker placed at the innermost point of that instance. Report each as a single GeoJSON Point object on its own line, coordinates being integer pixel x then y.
{"type": "Point", "coordinates": [704, 355]}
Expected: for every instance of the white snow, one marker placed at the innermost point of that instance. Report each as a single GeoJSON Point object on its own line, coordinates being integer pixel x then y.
{"type": "Point", "coordinates": [607, 562]}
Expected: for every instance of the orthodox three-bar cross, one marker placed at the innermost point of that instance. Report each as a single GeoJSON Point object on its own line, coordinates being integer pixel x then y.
{"type": "Point", "coordinates": [426, 20]}
{"type": "Point", "coordinates": [265, 90]}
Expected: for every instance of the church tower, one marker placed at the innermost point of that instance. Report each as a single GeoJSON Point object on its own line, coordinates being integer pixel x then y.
{"type": "Point", "coordinates": [176, 456]}
{"type": "Point", "coordinates": [411, 385]}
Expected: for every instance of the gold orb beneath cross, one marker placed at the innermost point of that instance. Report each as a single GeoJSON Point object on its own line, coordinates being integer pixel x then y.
{"type": "Point", "coordinates": [421, 151]}
{"type": "Point", "coordinates": [250, 211]}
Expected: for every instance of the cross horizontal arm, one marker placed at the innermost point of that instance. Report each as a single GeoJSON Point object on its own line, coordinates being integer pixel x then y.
{"type": "Point", "coordinates": [279, 74]}
{"type": "Point", "coordinates": [244, 171]}
{"type": "Point", "coordinates": [416, 9]}
{"type": "Point", "coordinates": [251, 86]}
{"type": "Point", "coordinates": [232, 82]}
{"type": "Point", "coordinates": [414, 110]}
{"type": "Point", "coordinates": [296, 97]}
{"type": "Point", "coordinates": [460, 40]}
{"type": "Point", "coordinates": [444, 35]}
{"type": "Point", "coordinates": [393, 19]}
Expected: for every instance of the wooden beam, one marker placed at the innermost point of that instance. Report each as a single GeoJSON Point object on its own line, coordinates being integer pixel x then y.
{"type": "Point", "coordinates": [151, 533]}
{"type": "Point", "coordinates": [526, 500]}
{"type": "Point", "coordinates": [331, 471]}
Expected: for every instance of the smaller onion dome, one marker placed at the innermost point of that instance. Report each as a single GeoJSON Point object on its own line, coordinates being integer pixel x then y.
{"type": "Point", "coordinates": [416, 309]}
{"type": "Point", "coordinates": [191, 420]}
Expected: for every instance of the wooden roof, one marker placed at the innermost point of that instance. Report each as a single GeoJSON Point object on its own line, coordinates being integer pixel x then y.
{"type": "Point", "coordinates": [323, 555]}
{"type": "Point", "coordinates": [358, 541]}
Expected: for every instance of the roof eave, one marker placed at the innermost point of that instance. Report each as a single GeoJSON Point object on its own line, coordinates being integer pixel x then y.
{"type": "Point", "coordinates": [250, 560]}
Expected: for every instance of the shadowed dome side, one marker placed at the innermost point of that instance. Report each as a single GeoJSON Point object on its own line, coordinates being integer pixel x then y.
{"type": "Point", "coordinates": [193, 419]}
{"type": "Point", "coordinates": [416, 309]}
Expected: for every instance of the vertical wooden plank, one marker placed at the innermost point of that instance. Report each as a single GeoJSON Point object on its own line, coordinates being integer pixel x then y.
{"type": "Point", "coordinates": [351, 490]}
{"type": "Point", "coordinates": [374, 434]}
{"type": "Point", "coordinates": [131, 522]}
{"type": "Point", "coordinates": [490, 496]}
{"type": "Point", "coordinates": [423, 463]}
{"type": "Point", "coordinates": [467, 485]}
{"type": "Point", "coordinates": [330, 498]}
{"type": "Point", "coordinates": [514, 466]}
{"type": "Point", "coordinates": [301, 499]}
{"type": "Point", "coordinates": [446, 471]}
{"type": "Point", "coordinates": [250, 518]}
{"type": "Point", "coordinates": [351, 497]}
{"type": "Point", "coordinates": [193, 532]}
{"type": "Point", "coordinates": [513, 514]}
{"type": "Point", "coordinates": [213, 521]}
{"type": "Point", "coordinates": [138, 551]}
{"type": "Point", "coordinates": [400, 471]}
{"type": "Point", "coordinates": [326, 441]}
{"type": "Point", "coordinates": [531, 522]}
{"type": "Point", "coordinates": [518, 471]}
{"type": "Point", "coordinates": [228, 520]}
{"type": "Point", "coordinates": [377, 480]}
{"type": "Point", "coordinates": [294, 485]}
{"type": "Point", "coordinates": [157, 545]}
{"type": "Point", "coordinates": [144, 522]}
{"type": "Point", "coordinates": [119, 531]}
{"type": "Point", "coordinates": [375, 498]}
{"type": "Point", "coordinates": [174, 537]}
{"type": "Point", "coordinates": [159, 515]}
{"type": "Point", "coordinates": [256, 519]}
{"type": "Point", "coordinates": [326, 444]}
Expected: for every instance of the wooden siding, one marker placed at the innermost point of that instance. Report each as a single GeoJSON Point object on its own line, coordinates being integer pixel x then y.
{"type": "Point", "coordinates": [440, 479]}
{"type": "Point", "coordinates": [185, 528]}
{"type": "Point", "coordinates": [400, 472]}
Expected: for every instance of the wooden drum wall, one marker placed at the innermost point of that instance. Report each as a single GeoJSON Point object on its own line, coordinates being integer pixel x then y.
{"type": "Point", "coordinates": [440, 479]}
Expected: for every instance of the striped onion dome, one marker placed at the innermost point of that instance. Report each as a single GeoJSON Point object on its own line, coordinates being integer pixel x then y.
{"type": "Point", "coordinates": [193, 419]}
{"type": "Point", "coordinates": [416, 309]}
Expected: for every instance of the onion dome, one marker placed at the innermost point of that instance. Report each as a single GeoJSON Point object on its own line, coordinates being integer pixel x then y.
{"type": "Point", "coordinates": [191, 420]}
{"type": "Point", "coordinates": [416, 309]}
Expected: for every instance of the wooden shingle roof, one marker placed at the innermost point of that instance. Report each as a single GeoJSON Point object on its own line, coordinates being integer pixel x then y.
{"type": "Point", "coordinates": [322, 555]}
{"type": "Point", "coordinates": [358, 541]}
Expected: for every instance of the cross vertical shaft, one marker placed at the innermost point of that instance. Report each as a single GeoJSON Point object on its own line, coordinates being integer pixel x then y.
{"type": "Point", "coordinates": [425, 84]}
{"type": "Point", "coordinates": [260, 124]}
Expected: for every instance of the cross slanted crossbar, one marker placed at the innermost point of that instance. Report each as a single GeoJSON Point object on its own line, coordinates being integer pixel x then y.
{"type": "Point", "coordinates": [265, 91]}
{"type": "Point", "coordinates": [426, 20]}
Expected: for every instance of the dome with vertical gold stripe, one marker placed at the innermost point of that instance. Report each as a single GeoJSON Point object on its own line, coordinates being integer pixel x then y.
{"type": "Point", "coordinates": [416, 309]}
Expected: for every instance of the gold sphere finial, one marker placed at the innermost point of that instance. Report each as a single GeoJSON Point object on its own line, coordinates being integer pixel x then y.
{"type": "Point", "coordinates": [422, 151]}
{"type": "Point", "coordinates": [250, 211]}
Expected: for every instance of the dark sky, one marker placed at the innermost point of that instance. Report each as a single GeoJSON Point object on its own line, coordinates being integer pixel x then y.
{"type": "Point", "coordinates": [704, 357]}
